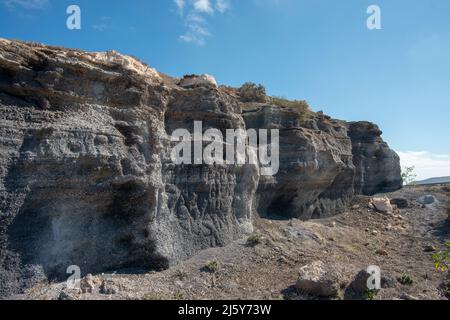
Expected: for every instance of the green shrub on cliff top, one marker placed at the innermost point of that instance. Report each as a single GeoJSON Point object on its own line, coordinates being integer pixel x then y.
{"type": "Point", "coordinates": [300, 105]}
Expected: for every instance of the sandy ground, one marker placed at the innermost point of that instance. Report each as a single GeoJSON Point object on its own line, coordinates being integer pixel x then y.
{"type": "Point", "coordinates": [400, 244]}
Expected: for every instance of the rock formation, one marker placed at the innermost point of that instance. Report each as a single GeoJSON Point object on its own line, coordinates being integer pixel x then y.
{"type": "Point", "coordinates": [86, 177]}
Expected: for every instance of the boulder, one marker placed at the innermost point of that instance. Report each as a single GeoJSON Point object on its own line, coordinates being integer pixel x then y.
{"type": "Point", "coordinates": [318, 279]}
{"type": "Point", "coordinates": [401, 203]}
{"type": "Point", "coordinates": [359, 283]}
{"type": "Point", "coordinates": [382, 204]}
{"type": "Point", "coordinates": [427, 199]}
{"type": "Point", "coordinates": [192, 81]}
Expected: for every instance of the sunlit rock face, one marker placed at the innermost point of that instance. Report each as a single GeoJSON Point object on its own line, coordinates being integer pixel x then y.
{"type": "Point", "coordinates": [377, 166]}
{"type": "Point", "coordinates": [86, 176]}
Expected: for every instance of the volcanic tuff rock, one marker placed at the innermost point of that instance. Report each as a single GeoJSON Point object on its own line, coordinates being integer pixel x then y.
{"type": "Point", "coordinates": [86, 177]}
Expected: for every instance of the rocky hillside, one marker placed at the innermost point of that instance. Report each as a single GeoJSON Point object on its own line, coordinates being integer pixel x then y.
{"type": "Point", "coordinates": [86, 176]}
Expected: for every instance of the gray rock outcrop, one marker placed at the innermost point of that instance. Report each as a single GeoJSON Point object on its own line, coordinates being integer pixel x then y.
{"type": "Point", "coordinates": [86, 177]}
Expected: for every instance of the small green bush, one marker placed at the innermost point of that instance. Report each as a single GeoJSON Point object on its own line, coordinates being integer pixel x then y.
{"type": "Point", "coordinates": [409, 175]}
{"type": "Point", "coordinates": [254, 240]}
{"type": "Point", "coordinates": [250, 92]}
{"type": "Point", "coordinates": [405, 279]}
{"type": "Point", "coordinates": [299, 105]}
{"type": "Point", "coordinates": [211, 267]}
{"type": "Point", "coordinates": [370, 295]}
{"type": "Point", "coordinates": [442, 259]}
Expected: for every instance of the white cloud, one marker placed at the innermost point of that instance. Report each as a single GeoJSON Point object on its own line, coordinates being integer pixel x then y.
{"type": "Point", "coordinates": [196, 34]}
{"type": "Point", "coordinates": [196, 19]}
{"type": "Point", "coordinates": [103, 25]}
{"type": "Point", "coordinates": [203, 6]}
{"type": "Point", "coordinates": [27, 4]}
{"type": "Point", "coordinates": [427, 165]}
{"type": "Point", "coordinates": [180, 5]}
{"type": "Point", "coordinates": [222, 5]}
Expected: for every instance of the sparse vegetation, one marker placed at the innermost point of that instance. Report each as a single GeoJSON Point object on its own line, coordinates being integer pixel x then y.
{"type": "Point", "coordinates": [299, 105]}
{"type": "Point", "coordinates": [181, 275]}
{"type": "Point", "coordinates": [442, 259]}
{"type": "Point", "coordinates": [408, 175]}
{"type": "Point", "coordinates": [158, 296]}
{"type": "Point", "coordinates": [211, 267]}
{"type": "Point", "coordinates": [370, 295]}
{"type": "Point", "coordinates": [405, 279]}
{"type": "Point", "coordinates": [250, 92]}
{"type": "Point", "coordinates": [254, 240]}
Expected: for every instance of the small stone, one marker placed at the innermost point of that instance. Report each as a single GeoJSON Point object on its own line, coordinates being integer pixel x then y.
{"type": "Point", "coordinates": [430, 248]}
{"type": "Point", "coordinates": [283, 260]}
{"type": "Point", "coordinates": [63, 295]}
{"type": "Point", "coordinates": [87, 284]}
{"type": "Point", "coordinates": [406, 296]}
{"type": "Point", "coordinates": [382, 252]}
{"type": "Point", "coordinates": [375, 232]}
{"type": "Point", "coordinates": [387, 281]}
{"type": "Point", "coordinates": [108, 287]}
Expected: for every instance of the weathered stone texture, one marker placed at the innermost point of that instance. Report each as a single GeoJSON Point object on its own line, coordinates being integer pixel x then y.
{"type": "Point", "coordinates": [86, 177]}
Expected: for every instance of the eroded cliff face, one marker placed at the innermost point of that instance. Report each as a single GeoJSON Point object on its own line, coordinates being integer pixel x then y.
{"type": "Point", "coordinates": [86, 177]}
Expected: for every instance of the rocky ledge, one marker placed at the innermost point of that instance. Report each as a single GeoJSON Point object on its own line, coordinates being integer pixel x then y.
{"type": "Point", "coordinates": [86, 176]}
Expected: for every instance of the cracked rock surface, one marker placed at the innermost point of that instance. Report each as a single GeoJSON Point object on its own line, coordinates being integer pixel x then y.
{"type": "Point", "coordinates": [86, 177]}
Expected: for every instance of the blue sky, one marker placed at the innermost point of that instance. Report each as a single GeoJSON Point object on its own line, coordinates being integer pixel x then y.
{"type": "Point", "coordinates": [321, 51]}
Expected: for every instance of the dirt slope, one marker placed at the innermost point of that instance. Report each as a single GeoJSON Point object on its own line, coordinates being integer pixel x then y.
{"type": "Point", "coordinates": [399, 243]}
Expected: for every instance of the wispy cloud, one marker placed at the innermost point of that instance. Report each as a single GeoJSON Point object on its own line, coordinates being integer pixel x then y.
{"type": "Point", "coordinates": [180, 5]}
{"type": "Point", "coordinates": [203, 6]}
{"type": "Point", "coordinates": [222, 5]}
{"type": "Point", "coordinates": [27, 4]}
{"type": "Point", "coordinates": [196, 15]}
{"type": "Point", "coordinates": [103, 24]}
{"type": "Point", "coordinates": [427, 165]}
